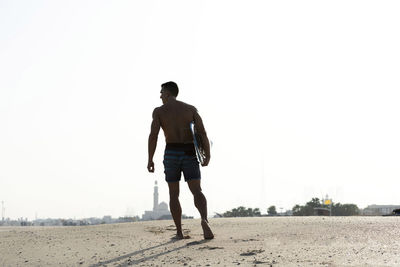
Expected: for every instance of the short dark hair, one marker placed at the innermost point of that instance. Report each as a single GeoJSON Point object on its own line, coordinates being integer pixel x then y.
{"type": "Point", "coordinates": [171, 87]}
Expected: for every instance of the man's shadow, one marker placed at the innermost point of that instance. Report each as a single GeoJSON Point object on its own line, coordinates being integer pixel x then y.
{"type": "Point", "coordinates": [132, 262]}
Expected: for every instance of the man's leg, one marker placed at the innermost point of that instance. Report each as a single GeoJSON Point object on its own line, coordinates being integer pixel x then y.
{"type": "Point", "coordinates": [175, 207]}
{"type": "Point", "coordinates": [200, 202]}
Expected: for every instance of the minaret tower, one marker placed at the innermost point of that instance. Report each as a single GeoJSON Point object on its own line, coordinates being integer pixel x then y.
{"type": "Point", "coordinates": [155, 200]}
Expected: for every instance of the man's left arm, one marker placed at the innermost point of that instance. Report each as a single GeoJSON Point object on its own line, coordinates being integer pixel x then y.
{"type": "Point", "coordinates": [155, 128]}
{"type": "Point", "coordinates": [198, 122]}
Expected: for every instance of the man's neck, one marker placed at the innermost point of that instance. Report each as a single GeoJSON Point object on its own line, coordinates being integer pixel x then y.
{"type": "Point", "coordinates": [171, 99]}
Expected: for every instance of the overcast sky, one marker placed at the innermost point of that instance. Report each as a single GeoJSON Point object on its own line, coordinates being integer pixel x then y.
{"type": "Point", "coordinates": [300, 98]}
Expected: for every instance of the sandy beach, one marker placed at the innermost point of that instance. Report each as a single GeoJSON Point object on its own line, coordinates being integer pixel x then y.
{"type": "Point", "coordinates": [264, 241]}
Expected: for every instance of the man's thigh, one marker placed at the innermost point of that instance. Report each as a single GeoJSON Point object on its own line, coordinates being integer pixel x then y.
{"type": "Point", "coordinates": [190, 168]}
{"type": "Point", "coordinates": [172, 166]}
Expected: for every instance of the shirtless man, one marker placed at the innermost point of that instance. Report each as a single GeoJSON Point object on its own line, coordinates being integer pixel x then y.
{"type": "Point", "coordinates": [174, 118]}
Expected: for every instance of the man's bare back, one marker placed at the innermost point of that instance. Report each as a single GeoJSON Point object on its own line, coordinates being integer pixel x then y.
{"type": "Point", "coordinates": [175, 118]}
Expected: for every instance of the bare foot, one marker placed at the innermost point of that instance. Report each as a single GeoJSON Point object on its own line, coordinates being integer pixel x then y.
{"type": "Point", "coordinates": [208, 234]}
{"type": "Point", "coordinates": [180, 236]}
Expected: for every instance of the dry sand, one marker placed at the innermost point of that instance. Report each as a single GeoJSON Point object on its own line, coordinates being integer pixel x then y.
{"type": "Point", "coordinates": [266, 241]}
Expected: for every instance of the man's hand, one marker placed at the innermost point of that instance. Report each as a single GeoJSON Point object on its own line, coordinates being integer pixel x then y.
{"type": "Point", "coordinates": [206, 161]}
{"type": "Point", "coordinates": [150, 166]}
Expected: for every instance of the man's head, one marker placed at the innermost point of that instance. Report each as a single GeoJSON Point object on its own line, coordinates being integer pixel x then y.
{"type": "Point", "coordinates": [168, 89]}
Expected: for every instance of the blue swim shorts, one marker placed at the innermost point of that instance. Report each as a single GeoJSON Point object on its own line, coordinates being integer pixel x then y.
{"type": "Point", "coordinates": [180, 158]}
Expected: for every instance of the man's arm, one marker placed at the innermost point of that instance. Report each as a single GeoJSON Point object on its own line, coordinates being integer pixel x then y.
{"type": "Point", "coordinates": [155, 128]}
{"type": "Point", "coordinates": [198, 122]}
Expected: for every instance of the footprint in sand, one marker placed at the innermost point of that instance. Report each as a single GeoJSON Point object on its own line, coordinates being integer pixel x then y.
{"type": "Point", "coordinates": [170, 228]}
{"type": "Point", "coordinates": [245, 240]}
{"type": "Point", "coordinates": [210, 248]}
{"type": "Point", "coordinates": [252, 252]}
{"type": "Point", "coordinates": [155, 230]}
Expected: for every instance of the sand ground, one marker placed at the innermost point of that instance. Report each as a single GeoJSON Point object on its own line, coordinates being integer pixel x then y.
{"type": "Point", "coordinates": [265, 241]}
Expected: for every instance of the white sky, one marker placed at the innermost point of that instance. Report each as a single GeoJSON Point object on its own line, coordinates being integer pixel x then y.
{"type": "Point", "coordinates": [300, 98]}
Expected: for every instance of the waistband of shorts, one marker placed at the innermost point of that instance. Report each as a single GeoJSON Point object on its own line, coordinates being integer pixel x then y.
{"type": "Point", "coordinates": [179, 146]}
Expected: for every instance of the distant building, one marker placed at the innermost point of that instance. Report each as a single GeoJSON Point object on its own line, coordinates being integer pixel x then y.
{"type": "Point", "coordinates": [160, 211]}
{"type": "Point", "coordinates": [47, 222]}
{"type": "Point", "coordinates": [107, 219]}
{"type": "Point", "coordinates": [379, 210]}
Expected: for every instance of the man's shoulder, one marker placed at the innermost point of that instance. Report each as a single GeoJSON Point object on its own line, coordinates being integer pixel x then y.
{"type": "Point", "coordinates": [156, 111]}
{"type": "Point", "coordinates": [177, 105]}
{"type": "Point", "coordinates": [188, 106]}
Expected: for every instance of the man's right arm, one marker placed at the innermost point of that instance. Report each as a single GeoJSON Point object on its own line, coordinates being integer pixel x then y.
{"type": "Point", "coordinates": [155, 128]}
{"type": "Point", "coordinates": [198, 122]}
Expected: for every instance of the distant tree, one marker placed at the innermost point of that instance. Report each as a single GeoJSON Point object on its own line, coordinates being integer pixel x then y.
{"type": "Point", "coordinates": [303, 210]}
{"type": "Point", "coordinates": [296, 210]}
{"type": "Point", "coordinates": [243, 212]}
{"type": "Point", "coordinates": [337, 209]}
{"type": "Point", "coordinates": [256, 212]}
{"type": "Point", "coordinates": [308, 209]}
{"type": "Point", "coordinates": [272, 210]}
{"type": "Point", "coordinates": [314, 203]}
{"type": "Point", "coordinates": [345, 209]}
